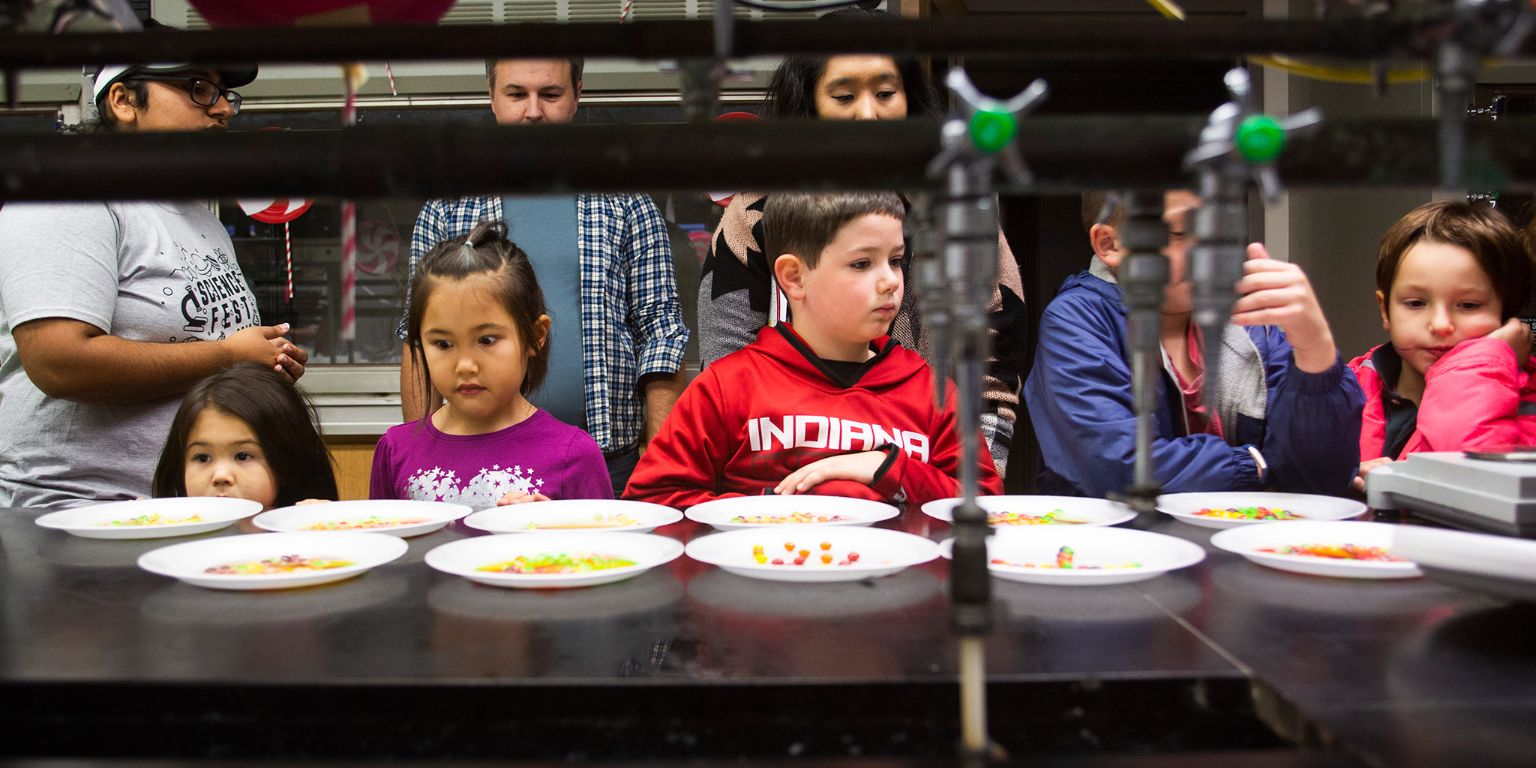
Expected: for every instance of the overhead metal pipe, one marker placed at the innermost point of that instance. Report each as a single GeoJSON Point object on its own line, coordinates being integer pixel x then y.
{"type": "Point", "coordinates": [1401, 35]}
{"type": "Point", "coordinates": [1066, 154]}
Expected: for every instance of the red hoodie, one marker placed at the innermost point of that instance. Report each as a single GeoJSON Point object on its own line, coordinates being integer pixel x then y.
{"type": "Point", "coordinates": [757, 415]}
{"type": "Point", "coordinates": [1475, 399]}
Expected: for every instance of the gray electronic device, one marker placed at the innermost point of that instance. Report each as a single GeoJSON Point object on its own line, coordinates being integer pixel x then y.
{"type": "Point", "coordinates": [1483, 491]}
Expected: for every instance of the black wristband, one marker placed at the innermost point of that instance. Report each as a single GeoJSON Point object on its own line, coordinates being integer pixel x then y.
{"type": "Point", "coordinates": [891, 450]}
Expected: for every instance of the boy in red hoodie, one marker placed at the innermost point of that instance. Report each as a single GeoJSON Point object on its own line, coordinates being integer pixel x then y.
{"type": "Point", "coordinates": [1457, 373]}
{"type": "Point", "coordinates": [829, 405]}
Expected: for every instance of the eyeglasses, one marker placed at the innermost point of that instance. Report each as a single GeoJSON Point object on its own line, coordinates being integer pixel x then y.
{"type": "Point", "coordinates": [204, 93]}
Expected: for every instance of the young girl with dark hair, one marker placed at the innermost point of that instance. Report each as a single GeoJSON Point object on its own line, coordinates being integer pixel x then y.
{"type": "Point", "coordinates": [478, 329]}
{"type": "Point", "coordinates": [247, 433]}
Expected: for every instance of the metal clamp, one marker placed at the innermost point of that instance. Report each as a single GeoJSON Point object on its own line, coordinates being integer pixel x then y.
{"type": "Point", "coordinates": [976, 139]}
{"type": "Point", "coordinates": [1478, 28]}
{"type": "Point", "coordinates": [1238, 144]}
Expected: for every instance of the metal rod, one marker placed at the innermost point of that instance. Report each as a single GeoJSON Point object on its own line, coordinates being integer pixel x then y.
{"type": "Point", "coordinates": [1066, 154]}
{"type": "Point", "coordinates": [1457, 69]}
{"type": "Point", "coordinates": [1143, 276]}
{"type": "Point", "coordinates": [973, 695]}
{"type": "Point", "coordinates": [968, 221]}
{"type": "Point", "coordinates": [1406, 34]}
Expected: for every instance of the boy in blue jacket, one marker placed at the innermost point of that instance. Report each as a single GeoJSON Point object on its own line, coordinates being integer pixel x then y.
{"type": "Point", "coordinates": [1288, 413]}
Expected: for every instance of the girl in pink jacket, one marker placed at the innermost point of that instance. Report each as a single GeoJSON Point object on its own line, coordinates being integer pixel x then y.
{"type": "Point", "coordinates": [1458, 373]}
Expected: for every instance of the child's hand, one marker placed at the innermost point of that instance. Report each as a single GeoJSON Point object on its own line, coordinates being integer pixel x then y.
{"type": "Point", "coordinates": [858, 467]}
{"type": "Point", "coordinates": [1277, 293]}
{"type": "Point", "coordinates": [520, 497]}
{"type": "Point", "coordinates": [313, 501]}
{"type": "Point", "coordinates": [1365, 467]}
{"type": "Point", "coordinates": [1517, 335]}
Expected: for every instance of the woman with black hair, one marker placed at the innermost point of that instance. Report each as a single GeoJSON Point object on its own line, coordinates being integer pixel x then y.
{"type": "Point", "coordinates": [737, 295]}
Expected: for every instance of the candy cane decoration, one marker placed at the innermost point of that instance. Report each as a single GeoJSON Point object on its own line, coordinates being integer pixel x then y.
{"type": "Point", "coordinates": [352, 77]}
{"type": "Point", "coordinates": [280, 210]}
{"type": "Point", "coordinates": [288, 258]}
{"type": "Point", "coordinates": [391, 74]}
{"type": "Point", "coordinates": [627, 11]}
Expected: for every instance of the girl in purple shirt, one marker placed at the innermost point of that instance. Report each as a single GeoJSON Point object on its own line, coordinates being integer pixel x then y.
{"type": "Point", "coordinates": [478, 322]}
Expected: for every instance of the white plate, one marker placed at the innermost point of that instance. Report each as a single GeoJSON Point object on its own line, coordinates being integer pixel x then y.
{"type": "Point", "coordinates": [881, 552]}
{"type": "Point", "coordinates": [1310, 507]}
{"type": "Point", "coordinates": [1482, 562]}
{"type": "Point", "coordinates": [721, 512]}
{"type": "Point", "coordinates": [573, 515]}
{"type": "Point", "coordinates": [465, 557]}
{"type": "Point", "coordinates": [94, 522]}
{"type": "Point", "coordinates": [1088, 512]}
{"type": "Point", "coordinates": [432, 515]}
{"type": "Point", "coordinates": [190, 562]}
{"type": "Point", "coordinates": [1248, 540]}
{"type": "Point", "coordinates": [1153, 554]}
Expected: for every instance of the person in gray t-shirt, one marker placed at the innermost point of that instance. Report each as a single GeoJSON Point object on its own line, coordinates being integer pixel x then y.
{"type": "Point", "coordinates": [95, 299]}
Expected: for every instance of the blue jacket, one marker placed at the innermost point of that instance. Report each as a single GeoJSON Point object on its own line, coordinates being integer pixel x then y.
{"type": "Point", "coordinates": [1079, 398]}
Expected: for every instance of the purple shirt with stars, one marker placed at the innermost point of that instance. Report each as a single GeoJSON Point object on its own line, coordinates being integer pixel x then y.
{"type": "Point", "coordinates": [541, 454]}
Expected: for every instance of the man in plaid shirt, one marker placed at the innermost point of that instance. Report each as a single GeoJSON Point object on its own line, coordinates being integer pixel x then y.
{"type": "Point", "coordinates": [632, 333]}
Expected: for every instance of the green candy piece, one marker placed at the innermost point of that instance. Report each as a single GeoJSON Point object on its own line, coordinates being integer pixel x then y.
{"type": "Point", "coordinates": [1260, 139]}
{"type": "Point", "coordinates": [992, 130]}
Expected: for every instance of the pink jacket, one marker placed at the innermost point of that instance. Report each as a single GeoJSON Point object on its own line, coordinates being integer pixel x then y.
{"type": "Point", "coordinates": [1475, 398]}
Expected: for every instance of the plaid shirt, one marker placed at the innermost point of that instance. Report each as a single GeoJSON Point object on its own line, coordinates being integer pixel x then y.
{"type": "Point", "coordinates": [631, 322]}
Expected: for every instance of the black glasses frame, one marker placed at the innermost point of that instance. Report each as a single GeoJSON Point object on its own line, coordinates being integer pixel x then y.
{"type": "Point", "coordinates": [191, 83]}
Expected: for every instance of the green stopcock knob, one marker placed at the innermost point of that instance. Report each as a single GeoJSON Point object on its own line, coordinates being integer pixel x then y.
{"type": "Point", "coordinates": [1260, 139]}
{"type": "Point", "coordinates": [991, 130]}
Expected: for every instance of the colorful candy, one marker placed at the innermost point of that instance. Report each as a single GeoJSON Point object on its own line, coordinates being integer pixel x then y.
{"type": "Point", "coordinates": [1249, 513]}
{"type": "Point", "coordinates": [1336, 552]}
{"type": "Point", "coordinates": [792, 518]}
{"type": "Point", "coordinates": [1024, 518]}
{"type": "Point", "coordinates": [367, 523]}
{"type": "Point", "coordinates": [1066, 560]}
{"type": "Point", "coordinates": [802, 555]}
{"type": "Point", "coordinates": [617, 520]}
{"type": "Point", "coordinates": [273, 565]}
{"type": "Point", "coordinates": [557, 562]}
{"type": "Point", "coordinates": [150, 519]}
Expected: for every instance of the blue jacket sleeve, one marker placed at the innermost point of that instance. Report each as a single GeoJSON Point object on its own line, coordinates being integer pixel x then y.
{"type": "Point", "coordinates": [1312, 430]}
{"type": "Point", "coordinates": [1079, 399]}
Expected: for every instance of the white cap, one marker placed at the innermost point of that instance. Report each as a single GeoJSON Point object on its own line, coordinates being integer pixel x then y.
{"type": "Point", "coordinates": [232, 77]}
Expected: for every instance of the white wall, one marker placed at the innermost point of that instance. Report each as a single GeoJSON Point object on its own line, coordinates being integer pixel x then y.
{"type": "Point", "coordinates": [1334, 234]}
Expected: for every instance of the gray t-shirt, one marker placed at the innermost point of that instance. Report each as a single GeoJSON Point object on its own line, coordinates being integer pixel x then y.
{"type": "Point", "coordinates": [156, 272]}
